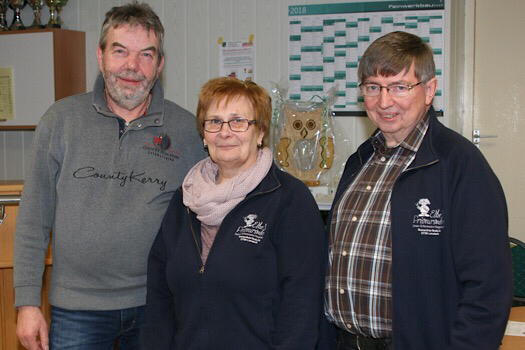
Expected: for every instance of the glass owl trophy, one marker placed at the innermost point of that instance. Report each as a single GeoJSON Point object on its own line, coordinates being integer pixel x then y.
{"type": "Point", "coordinates": [36, 5]}
{"type": "Point", "coordinates": [17, 5]}
{"type": "Point", "coordinates": [306, 147]}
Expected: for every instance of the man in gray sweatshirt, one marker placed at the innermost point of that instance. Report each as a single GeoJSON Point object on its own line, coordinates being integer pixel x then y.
{"type": "Point", "coordinates": [104, 167]}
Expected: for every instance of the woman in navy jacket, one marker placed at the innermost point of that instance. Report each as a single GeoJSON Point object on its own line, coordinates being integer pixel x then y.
{"type": "Point", "coordinates": [238, 261]}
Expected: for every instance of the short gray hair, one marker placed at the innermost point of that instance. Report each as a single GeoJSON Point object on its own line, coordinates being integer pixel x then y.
{"type": "Point", "coordinates": [133, 14]}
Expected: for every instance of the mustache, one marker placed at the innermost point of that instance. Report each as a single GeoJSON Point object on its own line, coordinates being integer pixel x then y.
{"type": "Point", "coordinates": [130, 75]}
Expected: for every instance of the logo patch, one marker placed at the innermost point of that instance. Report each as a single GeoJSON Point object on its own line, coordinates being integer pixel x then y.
{"type": "Point", "coordinates": [429, 222]}
{"type": "Point", "coordinates": [162, 141]}
{"type": "Point", "coordinates": [160, 147]}
{"type": "Point", "coordinates": [253, 231]}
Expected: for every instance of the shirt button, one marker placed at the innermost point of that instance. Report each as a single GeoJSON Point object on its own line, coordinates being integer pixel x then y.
{"type": "Point", "coordinates": [139, 125]}
{"type": "Point", "coordinates": [341, 291]}
{"type": "Point", "coordinates": [383, 159]}
{"type": "Point", "coordinates": [354, 218]}
{"type": "Point", "coordinates": [349, 326]}
{"type": "Point", "coordinates": [121, 131]}
{"type": "Point", "coordinates": [344, 253]}
{"type": "Point", "coordinates": [368, 188]}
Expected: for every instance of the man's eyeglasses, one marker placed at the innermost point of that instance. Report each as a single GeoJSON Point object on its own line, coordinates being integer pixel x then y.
{"type": "Point", "coordinates": [237, 124]}
{"type": "Point", "coordinates": [395, 90]}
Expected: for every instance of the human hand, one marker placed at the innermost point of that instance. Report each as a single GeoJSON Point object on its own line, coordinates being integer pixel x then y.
{"type": "Point", "coordinates": [31, 328]}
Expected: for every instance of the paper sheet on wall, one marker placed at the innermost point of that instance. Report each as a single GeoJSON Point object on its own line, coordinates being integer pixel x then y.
{"type": "Point", "coordinates": [515, 328]}
{"type": "Point", "coordinates": [237, 59]}
{"type": "Point", "coordinates": [6, 93]}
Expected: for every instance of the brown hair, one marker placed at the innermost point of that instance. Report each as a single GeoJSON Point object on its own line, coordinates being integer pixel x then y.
{"type": "Point", "coordinates": [395, 52]}
{"type": "Point", "coordinates": [133, 14]}
{"type": "Point", "coordinates": [226, 89]}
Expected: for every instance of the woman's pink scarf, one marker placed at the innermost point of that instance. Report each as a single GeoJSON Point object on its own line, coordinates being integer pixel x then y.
{"type": "Point", "coordinates": [210, 201]}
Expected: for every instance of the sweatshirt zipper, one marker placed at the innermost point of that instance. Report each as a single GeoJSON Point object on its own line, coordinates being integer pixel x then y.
{"type": "Point", "coordinates": [201, 270]}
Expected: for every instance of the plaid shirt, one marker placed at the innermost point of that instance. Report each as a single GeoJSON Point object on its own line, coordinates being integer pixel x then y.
{"type": "Point", "coordinates": [358, 293]}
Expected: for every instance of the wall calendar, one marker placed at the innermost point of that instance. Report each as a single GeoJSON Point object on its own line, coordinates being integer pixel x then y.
{"type": "Point", "coordinates": [326, 42]}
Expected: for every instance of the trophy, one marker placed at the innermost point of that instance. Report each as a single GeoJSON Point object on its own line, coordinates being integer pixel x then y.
{"type": "Point", "coordinates": [3, 10]}
{"type": "Point", "coordinates": [36, 5]}
{"type": "Point", "coordinates": [17, 5]}
{"type": "Point", "coordinates": [60, 5]}
{"type": "Point", "coordinates": [53, 23]}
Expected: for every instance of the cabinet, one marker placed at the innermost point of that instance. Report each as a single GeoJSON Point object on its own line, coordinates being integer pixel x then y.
{"type": "Point", "coordinates": [8, 340]}
{"type": "Point", "coordinates": [47, 65]}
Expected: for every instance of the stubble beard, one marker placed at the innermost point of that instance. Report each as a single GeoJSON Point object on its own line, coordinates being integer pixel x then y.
{"type": "Point", "coordinates": [128, 97]}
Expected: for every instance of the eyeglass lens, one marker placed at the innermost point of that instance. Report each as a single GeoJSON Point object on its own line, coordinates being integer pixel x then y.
{"type": "Point", "coordinates": [238, 125]}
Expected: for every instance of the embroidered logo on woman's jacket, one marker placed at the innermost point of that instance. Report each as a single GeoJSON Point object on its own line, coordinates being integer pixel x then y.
{"type": "Point", "coordinates": [253, 231]}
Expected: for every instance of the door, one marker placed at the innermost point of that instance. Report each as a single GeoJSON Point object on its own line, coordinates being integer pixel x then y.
{"type": "Point", "coordinates": [499, 98]}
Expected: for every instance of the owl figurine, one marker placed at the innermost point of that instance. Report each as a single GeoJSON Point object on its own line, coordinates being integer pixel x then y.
{"type": "Point", "coordinates": [305, 149]}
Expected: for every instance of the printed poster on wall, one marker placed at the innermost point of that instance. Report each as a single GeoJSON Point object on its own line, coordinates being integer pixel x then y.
{"type": "Point", "coordinates": [237, 59]}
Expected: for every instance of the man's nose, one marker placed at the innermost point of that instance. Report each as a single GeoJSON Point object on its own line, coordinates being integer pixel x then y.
{"type": "Point", "coordinates": [132, 61]}
{"type": "Point", "coordinates": [385, 100]}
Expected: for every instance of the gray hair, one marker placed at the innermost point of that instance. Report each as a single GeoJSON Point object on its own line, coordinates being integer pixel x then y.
{"type": "Point", "coordinates": [133, 14]}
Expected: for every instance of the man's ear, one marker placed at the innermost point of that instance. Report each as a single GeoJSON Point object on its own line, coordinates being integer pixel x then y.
{"type": "Point", "coordinates": [100, 58]}
{"type": "Point", "coordinates": [430, 90]}
{"type": "Point", "coordinates": [160, 66]}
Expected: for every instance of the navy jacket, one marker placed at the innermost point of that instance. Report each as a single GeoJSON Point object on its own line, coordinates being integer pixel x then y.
{"type": "Point", "coordinates": [451, 264]}
{"type": "Point", "coordinates": [261, 286]}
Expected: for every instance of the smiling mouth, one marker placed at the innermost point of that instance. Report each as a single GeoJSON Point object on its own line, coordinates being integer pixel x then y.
{"type": "Point", "coordinates": [389, 116]}
{"type": "Point", "coordinates": [131, 78]}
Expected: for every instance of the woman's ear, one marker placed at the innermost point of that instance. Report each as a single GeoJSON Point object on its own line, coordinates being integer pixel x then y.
{"type": "Point", "coordinates": [260, 139]}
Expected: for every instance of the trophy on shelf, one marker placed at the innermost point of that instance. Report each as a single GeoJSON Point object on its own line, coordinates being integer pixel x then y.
{"type": "Point", "coordinates": [17, 5]}
{"type": "Point", "coordinates": [60, 6]}
{"type": "Point", "coordinates": [53, 14]}
{"type": "Point", "coordinates": [36, 5]}
{"type": "Point", "coordinates": [3, 10]}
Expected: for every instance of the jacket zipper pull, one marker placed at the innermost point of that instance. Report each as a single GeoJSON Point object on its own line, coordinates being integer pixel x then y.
{"type": "Point", "coordinates": [201, 271]}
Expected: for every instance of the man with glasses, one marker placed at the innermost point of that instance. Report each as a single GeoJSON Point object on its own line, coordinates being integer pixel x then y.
{"type": "Point", "coordinates": [104, 167]}
{"type": "Point", "coordinates": [418, 253]}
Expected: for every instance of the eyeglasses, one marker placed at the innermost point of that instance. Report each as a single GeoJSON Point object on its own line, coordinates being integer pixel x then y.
{"type": "Point", "coordinates": [237, 124]}
{"type": "Point", "coordinates": [395, 90]}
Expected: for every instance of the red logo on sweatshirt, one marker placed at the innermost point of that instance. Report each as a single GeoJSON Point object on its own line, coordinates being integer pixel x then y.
{"type": "Point", "coordinates": [162, 141]}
